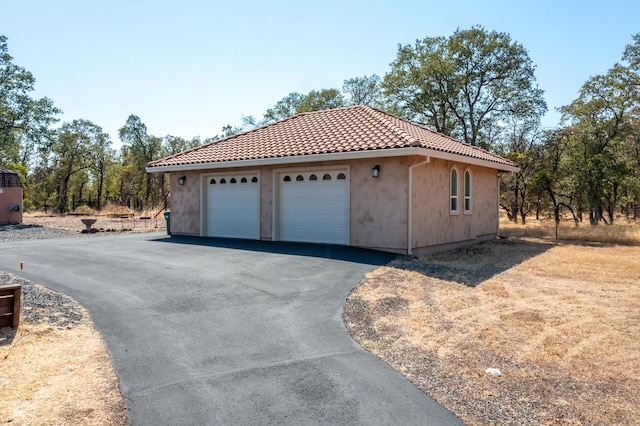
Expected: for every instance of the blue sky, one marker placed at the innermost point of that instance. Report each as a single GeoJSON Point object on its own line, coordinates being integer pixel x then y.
{"type": "Point", "coordinates": [188, 68]}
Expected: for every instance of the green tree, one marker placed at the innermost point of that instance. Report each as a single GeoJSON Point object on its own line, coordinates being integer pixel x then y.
{"type": "Point", "coordinates": [104, 159]}
{"type": "Point", "coordinates": [138, 149]}
{"type": "Point", "coordinates": [317, 100]}
{"type": "Point", "coordinates": [24, 121]}
{"type": "Point", "coordinates": [552, 181]}
{"type": "Point", "coordinates": [519, 137]}
{"type": "Point", "coordinates": [285, 107]}
{"type": "Point", "coordinates": [419, 86]}
{"type": "Point", "coordinates": [464, 85]}
{"type": "Point", "coordinates": [363, 90]}
{"type": "Point", "coordinates": [598, 120]}
{"type": "Point", "coordinates": [295, 103]}
{"type": "Point", "coordinates": [74, 154]}
{"type": "Point", "coordinates": [630, 187]}
{"type": "Point", "coordinates": [521, 141]}
{"type": "Point", "coordinates": [632, 55]}
{"type": "Point", "coordinates": [631, 184]}
{"type": "Point", "coordinates": [175, 144]}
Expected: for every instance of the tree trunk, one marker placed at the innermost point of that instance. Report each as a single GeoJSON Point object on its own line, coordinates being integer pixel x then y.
{"type": "Point", "coordinates": [595, 215]}
{"type": "Point", "coordinates": [514, 205]}
{"type": "Point", "coordinates": [100, 184]}
{"type": "Point", "coordinates": [611, 208]}
{"type": "Point", "coordinates": [62, 198]}
{"type": "Point", "coordinates": [148, 188]}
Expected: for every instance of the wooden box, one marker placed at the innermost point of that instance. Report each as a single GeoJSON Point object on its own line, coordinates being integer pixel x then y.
{"type": "Point", "coordinates": [10, 305]}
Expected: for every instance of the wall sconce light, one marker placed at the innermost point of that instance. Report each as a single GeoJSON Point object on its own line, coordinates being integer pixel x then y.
{"type": "Point", "coordinates": [375, 171]}
{"type": "Point", "coordinates": [181, 180]}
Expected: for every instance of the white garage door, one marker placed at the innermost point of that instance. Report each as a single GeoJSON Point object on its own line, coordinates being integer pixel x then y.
{"type": "Point", "coordinates": [314, 206]}
{"type": "Point", "coordinates": [233, 206]}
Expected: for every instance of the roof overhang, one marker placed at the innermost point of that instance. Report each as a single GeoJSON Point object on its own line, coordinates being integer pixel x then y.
{"type": "Point", "coordinates": [336, 156]}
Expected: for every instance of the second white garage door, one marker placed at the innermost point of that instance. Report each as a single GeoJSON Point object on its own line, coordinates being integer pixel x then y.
{"type": "Point", "coordinates": [314, 206]}
{"type": "Point", "coordinates": [233, 206]}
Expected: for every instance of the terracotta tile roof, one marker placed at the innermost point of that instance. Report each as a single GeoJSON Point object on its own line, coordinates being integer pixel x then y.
{"type": "Point", "coordinates": [341, 130]}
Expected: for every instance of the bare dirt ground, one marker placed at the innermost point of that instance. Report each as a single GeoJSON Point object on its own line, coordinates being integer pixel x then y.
{"type": "Point", "coordinates": [560, 321]}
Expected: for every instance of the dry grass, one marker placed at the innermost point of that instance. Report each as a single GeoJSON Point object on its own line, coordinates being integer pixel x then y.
{"type": "Point", "coordinates": [122, 221]}
{"type": "Point", "coordinates": [560, 321]}
{"type": "Point", "coordinates": [112, 210]}
{"type": "Point", "coordinates": [621, 232]}
{"type": "Point", "coordinates": [53, 376]}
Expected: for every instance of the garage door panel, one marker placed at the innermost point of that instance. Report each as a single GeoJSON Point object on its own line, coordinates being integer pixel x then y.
{"type": "Point", "coordinates": [314, 210]}
{"type": "Point", "coordinates": [233, 209]}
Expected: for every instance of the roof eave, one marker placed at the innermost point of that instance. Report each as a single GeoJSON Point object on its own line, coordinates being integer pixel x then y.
{"type": "Point", "coordinates": [335, 156]}
{"type": "Point", "coordinates": [470, 160]}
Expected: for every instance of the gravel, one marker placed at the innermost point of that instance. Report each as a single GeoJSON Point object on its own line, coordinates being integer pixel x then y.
{"type": "Point", "coordinates": [38, 304]}
{"type": "Point", "coordinates": [23, 232]}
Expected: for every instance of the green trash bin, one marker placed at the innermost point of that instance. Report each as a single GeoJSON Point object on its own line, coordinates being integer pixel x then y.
{"type": "Point", "coordinates": [167, 218]}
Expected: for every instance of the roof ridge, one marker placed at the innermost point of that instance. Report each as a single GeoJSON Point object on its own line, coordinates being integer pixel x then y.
{"type": "Point", "coordinates": [474, 147]}
{"type": "Point", "coordinates": [387, 120]}
{"type": "Point", "coordinates": [424, 127]}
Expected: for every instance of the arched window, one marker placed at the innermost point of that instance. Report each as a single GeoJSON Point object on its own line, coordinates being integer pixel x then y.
{"type": "Point", "coordinates": [313, 177]}
{"type": "Point", "coordinates": [454, 190]}
{"type": "Point", "coordinates": [287, 178]}
{"type": "Point", "coordinates": [467, 191]}
{"type": "Point", "coordinates": [341, 176]}
{"type": "Point", "coordinates": [223, 180]}
{"type": "Point", "coordinates": [212, 181]}
{"type": "Point", "coordinates": [243, 180]}
{"type": "Point", "coordinates": [326, 176]}
{"type": "Point", "coordinates": [254, 179]}
{"type": "Point", "coordinates": [233, 180]}
{"type": "Point", "coordinates": [299, 178]}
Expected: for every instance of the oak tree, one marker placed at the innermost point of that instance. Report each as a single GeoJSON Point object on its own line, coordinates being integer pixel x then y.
{"type": "Point", "coordinates": [464, 85]}
{"type": "Point", "coordinates": [24, 121]}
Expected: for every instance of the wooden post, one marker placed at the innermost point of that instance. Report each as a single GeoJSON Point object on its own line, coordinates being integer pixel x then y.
{"type": "Point", "coordinates": [10, 305]}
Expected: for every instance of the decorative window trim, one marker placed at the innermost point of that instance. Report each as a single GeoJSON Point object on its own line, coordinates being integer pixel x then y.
{"type": "Point", "coordinates": [468, 192]}
{"type": "Point", "coordinates": [454, 191]}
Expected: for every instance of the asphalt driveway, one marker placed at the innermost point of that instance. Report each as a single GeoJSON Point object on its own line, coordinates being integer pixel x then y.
{"type": "Point", "coordinates": [223, 332]}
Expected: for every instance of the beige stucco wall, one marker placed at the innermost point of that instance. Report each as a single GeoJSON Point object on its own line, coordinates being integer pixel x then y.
{"type": "Point", "coordinates": [10, 196]}
{"type": "Point", "coordinates": [378, 206]}
{"type": "Point", "coordinates": [433, 224]}
{"type": "Point", "coordinates": [185, 204]}
{"type": "Point", "coordinates": [266, 203]}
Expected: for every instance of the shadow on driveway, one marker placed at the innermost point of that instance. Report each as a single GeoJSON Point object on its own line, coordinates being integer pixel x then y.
{"type": "Point", "coordinates": [326, 251]}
